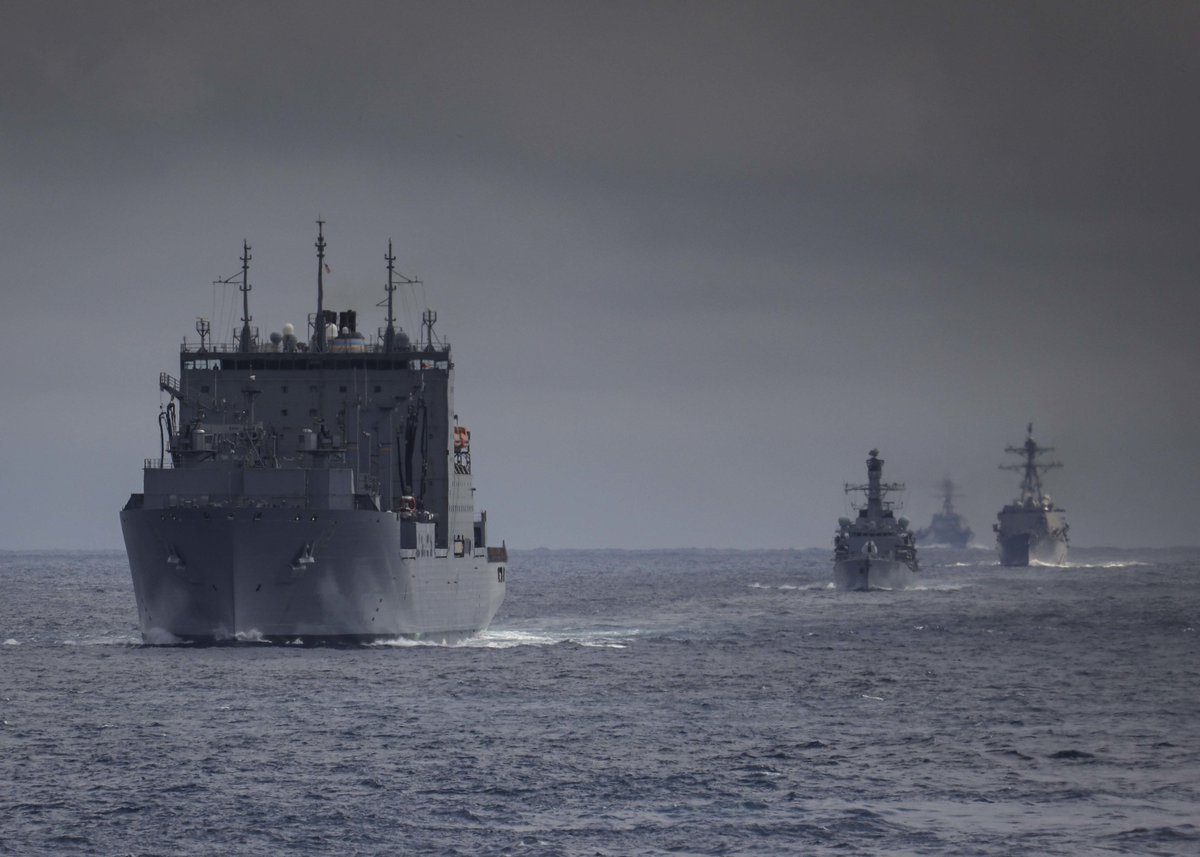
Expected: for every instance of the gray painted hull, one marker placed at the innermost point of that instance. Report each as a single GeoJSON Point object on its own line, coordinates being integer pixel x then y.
{"type": "Point", "coordinates": [216, 575]}
{"type": "Point", "coordinates": [1021, 549]}
{"type": "Point", "coordinates": [862, 573]}
{"type": "Point", "coordinates": [948, 533]}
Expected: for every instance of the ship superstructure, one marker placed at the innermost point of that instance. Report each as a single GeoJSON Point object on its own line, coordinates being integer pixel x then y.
{"type": "Point", "coordinates": [948, 527]}
{"type": "Point", "coordinates": [874, 550]}
{"type": "Point", "coordinates": [314, 488]}
{"type": "Point", "coordinates": [1031, 528]}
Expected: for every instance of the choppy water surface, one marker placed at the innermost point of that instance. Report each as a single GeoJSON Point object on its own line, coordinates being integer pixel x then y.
{"type": "Point", "coordinates": [693, 702]}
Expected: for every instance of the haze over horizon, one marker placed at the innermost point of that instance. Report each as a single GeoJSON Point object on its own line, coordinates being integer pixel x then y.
{"type": "Point", "coordinates": [695, 259]}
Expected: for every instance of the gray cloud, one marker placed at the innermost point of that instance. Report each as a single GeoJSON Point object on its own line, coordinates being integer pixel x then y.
{"type": "Point", "coordinates": [695, 258]}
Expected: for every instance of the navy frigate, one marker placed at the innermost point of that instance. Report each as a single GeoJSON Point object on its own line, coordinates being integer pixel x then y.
{"type": "Point", "coordinates": [948, 527]}
{"type": "Point", "coordinates": [1031, 528]}
{"type": "Point", "coordinates": [312, 489]}
{"type": "Point", "coordinates": [875, 550]}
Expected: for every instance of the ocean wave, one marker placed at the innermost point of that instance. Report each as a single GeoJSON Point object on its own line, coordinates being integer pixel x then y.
{"type": "Point", "coordinates": [509, 639]}
{"type": "Point", "coordinates": [161, 637]}
{"type": "Point", "coordinates": [787, 587]}
{"type": "Point", "coordinates": [123, 641]}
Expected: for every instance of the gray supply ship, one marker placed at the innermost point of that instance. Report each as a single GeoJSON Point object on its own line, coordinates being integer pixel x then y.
{"type": "Point", "coordinates": [947, 527]}
{"type": "Point", "coordinates": [1031, 528]}
{"type": "Point", "coordinates": [312, 490]}
{"type": "Point", "coordinates": [875, 550]}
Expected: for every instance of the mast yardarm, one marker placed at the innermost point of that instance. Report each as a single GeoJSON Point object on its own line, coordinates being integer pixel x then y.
{"type": "Point", "coordinates": [1031, 469]}
{"type": "Point", "coordinates": [875, 488]}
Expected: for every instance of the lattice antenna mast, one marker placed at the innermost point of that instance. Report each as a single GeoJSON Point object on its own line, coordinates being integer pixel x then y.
{"type": "Point", "coordinates": [203, 328]}
{"type": "Point", "coordinates": [246, 341]}
{"type": "Point", "coordinates": [1031, 469]}
{"type": "Point", "coordinates": [428, 319]}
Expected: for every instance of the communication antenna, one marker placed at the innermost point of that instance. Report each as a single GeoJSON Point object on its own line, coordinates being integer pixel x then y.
{"type": "Point", "coordinates": [428, 318]}
{"type": "Point", "coordinates": [203, 328]}
{"type": "Point", "coordinates": [394, 281]}
{"type": "Point", "coordinates": [245, 338]}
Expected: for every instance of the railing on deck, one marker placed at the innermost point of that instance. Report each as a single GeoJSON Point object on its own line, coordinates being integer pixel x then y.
{"type": "Point", "coordinates": [170, 384]}
{"type": "Point", "coordinates": [374, 345]}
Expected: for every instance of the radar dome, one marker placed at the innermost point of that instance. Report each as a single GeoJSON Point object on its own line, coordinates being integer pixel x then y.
{"type": "Point", "coordinates": [289, 329]}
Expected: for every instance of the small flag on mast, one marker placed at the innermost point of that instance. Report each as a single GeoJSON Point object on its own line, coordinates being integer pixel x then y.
{"type": "Point", "coordinates": [328, 270]}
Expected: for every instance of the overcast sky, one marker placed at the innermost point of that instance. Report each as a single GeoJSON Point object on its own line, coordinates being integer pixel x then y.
{"type": "Point", "coordinates": [695, 259]}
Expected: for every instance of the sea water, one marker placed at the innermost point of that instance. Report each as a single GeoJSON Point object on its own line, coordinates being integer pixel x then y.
{"type": "Point", "coordinates": [626, 703]}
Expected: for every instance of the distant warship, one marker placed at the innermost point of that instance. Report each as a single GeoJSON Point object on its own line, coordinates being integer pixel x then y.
{"type": "Point", "coordinates": [1031, 528]}
{"type": "Point", "coordinates": [947, 527]}
{"type": "Point", "coordinates": [875, 550]}
{"type": "Point", "coordinates": [311, 489]}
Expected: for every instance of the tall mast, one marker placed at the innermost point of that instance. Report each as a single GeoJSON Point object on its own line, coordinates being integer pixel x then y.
{"type": "Point", "coordinates": [1031, 469]}
{"type": "Point", "coordinates": [389, 335]}
{"type": "Point", "coordinates": [876, 488]}
{"type": "Point", "coordinates": [948, 493]}
{"type": "Point", "coordinates": [244, 345]}
{"type": "Point", "coordinates": [320, 324]}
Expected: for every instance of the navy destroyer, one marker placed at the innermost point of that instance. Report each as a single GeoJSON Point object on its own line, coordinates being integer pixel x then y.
{"type": "Point", "coordinates": [876, 549]}
{"type": "Point", "coordinates": [1031, 528]}
{"type": "Point", "coordinates": [314, 489]}
{"type": "Point", "coordinates": [948, 527]}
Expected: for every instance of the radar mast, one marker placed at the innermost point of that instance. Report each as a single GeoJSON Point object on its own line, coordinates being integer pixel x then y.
{"type": "Point", "coordinates": [876, 488]}
{"type": "Point", "coordinates": [1031, 469]}
{"type": "Point", "coordinates": [389, 334]}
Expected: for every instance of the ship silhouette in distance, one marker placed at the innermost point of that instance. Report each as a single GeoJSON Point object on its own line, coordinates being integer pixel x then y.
{"type": "Point", "coordinates": [947, 528]}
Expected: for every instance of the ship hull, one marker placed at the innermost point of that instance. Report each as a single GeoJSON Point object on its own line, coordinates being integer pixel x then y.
{"type": "Point", "coordinates": [1020, 549]}
{"type": "Point", "coordinates": [943, 537]}
{"type": "Point", "coordinates": [860, 574]}
{"type": "Point", "coordinates": [214, 575]}
{"type": "Point", "coordinates": [1026, 536]}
